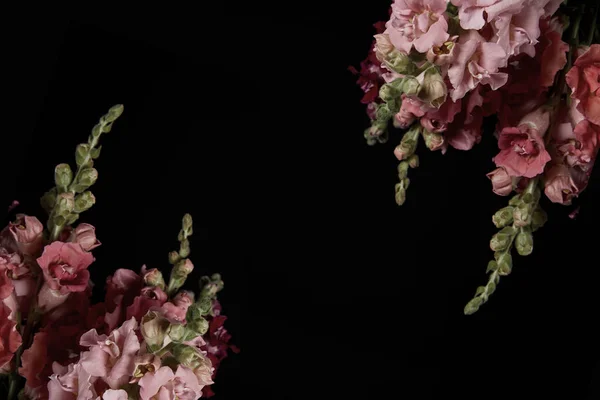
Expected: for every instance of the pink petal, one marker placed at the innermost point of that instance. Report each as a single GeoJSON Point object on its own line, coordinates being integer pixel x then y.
{"type": "Point", "coordinates": [151, 382]}
{"type": "Point", "coordinates": [471, 18]}
{"type": "Point", "coordinates": [435, 36]}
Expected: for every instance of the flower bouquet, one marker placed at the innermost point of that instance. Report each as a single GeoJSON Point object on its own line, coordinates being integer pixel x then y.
{"type": "Point", "coordinates": [148, 339]}
{"type": "Point", "coordinates": [437, 68]}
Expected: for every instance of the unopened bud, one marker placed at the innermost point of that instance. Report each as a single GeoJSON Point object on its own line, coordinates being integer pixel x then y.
{"type": "Point", "coordinates": [174, 257]}
{"type": "Point", "coordinates": [154, 278]}
{"type": "Point", "coordinates": [538, 219]}
{"type": "Point", "coordinates": [473, 305]}
{"type": "Point", "coordinates": [409, 142]}
{"type": "Point", "coordinates": [66, 203]}
{"type": "Point", "coordinates": [199, 325]}
{"type": "Point", "coordinates": [403, 169]}
{"type": "Point", "coordinates": [504, 260]}
{"type": "Point", "coordinates": [204, 305]}
{"type": "Point", "coordinates": [524, 242]}
{"type": "Point", "coordinates": [184, 267]}
{"type": "Point", "coordinates": [399, 62]}
{"type": "Point", "coordinates": [87, 177]}
{"type": "Point", "coordinates": [410, 86]}
{"type": "Point", "coordinates": [84, 201]}
{"type": "Point", "coordinates": [82, 154]}
{"type": "Point", "coordinates": [433, 140]}
{"type": "Point", "coordinates": [400, 194]}
{"type": "Point", "coordinates": [522, 214]}
{"type": "Point", "coordinates": [154, 329]}
{"type": "Point", "coordinates": [503, 217]}
{"type": "Point", "coordinates": [383, 113]}
{"type": "Point", "coordinates": [187, 222]}
{"type": "Point", "coordinates": [501, 240]}
{"type": "Point", "coordinates": [388, 93]}
{"type": "Point", "coordinates": [177, 332]}
{"type": "Point", "coordinates": [114, 112]}
{"type": "Point", "coordinates": [63, 176]}
{"type": "Point", "coordinates": [413, 161]}
{"type": "Point", "coordinates": [184, 248]}
{"type": "Point", "coordinates": [48, 200]}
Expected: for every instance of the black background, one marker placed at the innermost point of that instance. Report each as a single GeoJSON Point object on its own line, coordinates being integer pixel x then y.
{"type": "Point", "coordinates": [247, 118]}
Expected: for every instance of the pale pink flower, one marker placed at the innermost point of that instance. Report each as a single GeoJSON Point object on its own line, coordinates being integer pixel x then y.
{"type": "Point", "coordinates": [166, 385]}
{"type": "Point", "coordinates": [72, 382]}
{"type": "Point", "coordinates": [111, 358]}
{"type": "Point", "coordinates": [144, 363]}
{"type": "Point", "coordinates": [112, 394]}
{"type": "Point", "coordinates": [476, 62]}
{"type": "Point", "coordinates": [559, 185]}
{"type": "Point", "coordinates": [502, 183]}
{"type": "Point", "coordinates": [27, 232]}
{"type": "Point", "coordinates": [85, 235]}
{"type": "Point", "coordinates": [410, 110]}
{"type": "Point", "coordinates": [417, 23]}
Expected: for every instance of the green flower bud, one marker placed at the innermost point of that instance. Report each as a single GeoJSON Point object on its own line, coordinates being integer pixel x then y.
{"type": "Point", "coordinates": [187, 223]}
{"type": "Point", "coordinates": [388, 92]}
{"type": "Point", "coordinates": [184, 248]}
{"type": "Point", "coordinates": [204, 305]}
{"type": "Point", "coordinates": [63, 176]}
{"type": "Point", "coordinates": [400, 195]}
{"type": "Point", "coordinates": [199, 325]}
{"type": "Point", "coordinates": [538, 219]}
{"type": "Point", "coordinates": [84, 201]}
{"type": "Point", "coordinates": [82, 154]}
{"type": "Point", "coordinates": [515, 200]}
{"type": "Point", "coordinates": [399, 62]}
{"type": "Point", "coordinates": [473, 305]}
{"type": "Point", "coordinates": [432, 89]}
{"type": "Point", "coordinates": [403, 169]}
{"type": "Point", "coordinates": [383, 113]}
{"type": "Point", "coordinates": [177, 333]}
{"type": "Point", "coordinates": [96, 131]}
{"type": "Point", "coordinates": [492, 266]}
{"type": "Point", "coordinates": [522, 214]}
{"type": "Point", "coordinates": [65, 204]}
{"type": "Point", "coordinates": [504, 260]}
{"type": "Point", "coordinates": [503, 217]}
{"type": "Point", "coordinates": [410, 86]}
{"type": "Point", "coordinates": [114, 112]}
{"type": "Point", "coordinates": [501, 240]}
{"type": "Point", "coordinates": [87, 177]}
{"type": "Point", "coordinates": [433, 140]}
{"type": "Point", "coordinates": [524, 242]}
{"type": "Point", "coordinates": [155, 278]}
{"type": "Point", "coordinates": [413, 161]}
{"type": "Point", "coordinates": [174, 257]}
{"type": "Point", "coordinates": [190, 357]}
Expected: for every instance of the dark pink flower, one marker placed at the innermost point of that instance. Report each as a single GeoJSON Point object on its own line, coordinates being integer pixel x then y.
{"type": "Point", "coordinates": [522, 149]}
{"type": "Point", "coordinates": [584, 80]}
{"type": "Point", "coordinates": [149, 297]}
{"type": "Point", "coordinates": [562, 184]}
{"type": "Point", "coordinates": [176, 310]}
{"type": "Point", "coordinates": [10, 339]}
{"type": "Point", "coordinates": [464, 131]}
{"type": "Point", "coordinates": [437, 120]}
{"type": "Point", "coordinates": [65, 267]}
{"type": "Point", "coordinates": [410, 110]}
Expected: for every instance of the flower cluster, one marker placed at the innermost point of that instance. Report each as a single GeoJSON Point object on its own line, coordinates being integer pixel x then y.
{"type": "Point", "coordinates": [440, 67]}
{"type": "Point", "coordinates": [148, 339]}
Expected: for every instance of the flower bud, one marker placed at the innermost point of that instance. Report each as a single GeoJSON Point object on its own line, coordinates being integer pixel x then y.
{"type": "Point", "coordinates": [522, 215]}
{"type": "Point", "coordinates": [524, 242]}
{"type": "Point", "coordinates": [49, 299]}
{"type": "Point", "coordinates": [403, 169]}
{"type": "Point", "coordinates": [177, 333]}
{"type": "Point", "coordinates": [174, 257]}
{"type": "Point", "coordinates": [502, 183]}
{"type": "Point", "coordinates": [538, 219]}
{"type": "Point", "coordinates": [84, 201]}
{"type": "Point", "coordinates": [473, 305]}
{"type": "Point", "coordinates": [204, 305]}
{"type": "Point", "coordinates": [179, 274]}
{"type": "Point", "coordinates": [413, 161]}
{"type": "Point", "coordinates": [48, 200]}
{"type": "Point", "coordinates": [154, 278]}
{"type": "Point", "coordinates": [432, 89]}
{"type": "Point", "coordinates": [154, 329]}
{"type": "Point", "coordinates": [383, 112]}
{"type": "Point", "coordinates": [399, 62]}
{"type": "Point", "coordinates": [63, 176]}
{"type": "Point", "coordinates": [65, 204]}
{"type": "Point", "coordinates": [190, 357]}
{"type": "Point", "coordinates": [184, 248]}
{"type": "Point", "coordinates": [408, 145]}
{"type": "Point", "coordinates": [387, 93]}
{"type": "Point", "coordinates": [187, 223]}
{"type": "Point", "coordinates": [383, 46]}
{"type": "Point", "coordinates": [410, 86]}
{"type": "Point", "coordinates": [503, 217]}
{"type": "Point", "coordinates": [504, 260]}
{"type": "Point", "coordinates": [114, 112]}
{"type": "Point", "coordinates": [82, 154]}
{"type": "Point", "coordinates": [501, 240]}
{"type": "Point", "coordinates": [199, 325]}
{"type": "Point", "coordinates": [433, 140]}
{"type": "Point", "coordinates": [85, 235]}
{"type": "Point", "coordinates": [87, 177]}
{"type": "Point", "coordinates": [400, 193]}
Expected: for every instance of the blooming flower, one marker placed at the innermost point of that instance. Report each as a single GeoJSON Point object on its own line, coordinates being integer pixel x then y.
{"type": "Point", "coordinates": [584, 80]}
{"type": "Point", "coordinates": [166, 385]}
{"type": "Point", "coordinates": [417, 23]}
{"type": "Point", "coordinates": [10, 339]}
{"type": "Point", "coordinates": [476, 62]}
{"type": "Point", "coordinates": [522, 149]}
{"type": "Point", "coordinates": [65, 267]}
{"type": "Point", "coordinates": [559, 185]}
{"type": "Point", "coordinates": [27, 232]}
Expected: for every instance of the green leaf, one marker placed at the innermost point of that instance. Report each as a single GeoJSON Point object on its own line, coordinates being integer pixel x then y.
{"type": "Point", "coordinates": [479, 290]}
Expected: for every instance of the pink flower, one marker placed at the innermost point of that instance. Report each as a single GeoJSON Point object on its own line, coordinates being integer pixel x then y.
{"type": "Point", "coordinates": [559, 185]}
{"type": "Point", "coordinates": [28, 234]}
{"type": "Point", "coordinates": [112, 394]}
{"type": "Point", "coordinates": [35, 361]}
{"type": "Point", "coordinates": [10, 339]}
{"type": "Point", "coordinates": [144, 363]}
{"type": "Point", "coordinates": [464, 131]}
{"type": "Point", "coordinates": [476, 62]}
{"type": "Point", "coordinates": [502, 183]}
{"type": "Point", "coordinates": [554, 57]}
{"type": "Point", "coordinates": [584, 80]}
{"type": "Point", "coordinates": [111, 358]}
{"type": "Point", "coordinates": [166, 385]}
{"type": "Point", "coordinates": [417, 23]}
{"type": "Point", "coordinates": [437, 120]}
{"type": "Point", "coordinates": [71, 383]}
{"type": "Point", "coordinates": [85, 235]}
{"type": "Point", "coordinates": [121, 289]}
{"type": "Point", "coordinates": [65, 267]}
{"type": "Point", "coordinates": [176, 311]}
{"type": "Point", "coordinates": [410, 110]}
{"type": "Point", "coordinates": [149, 297]}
